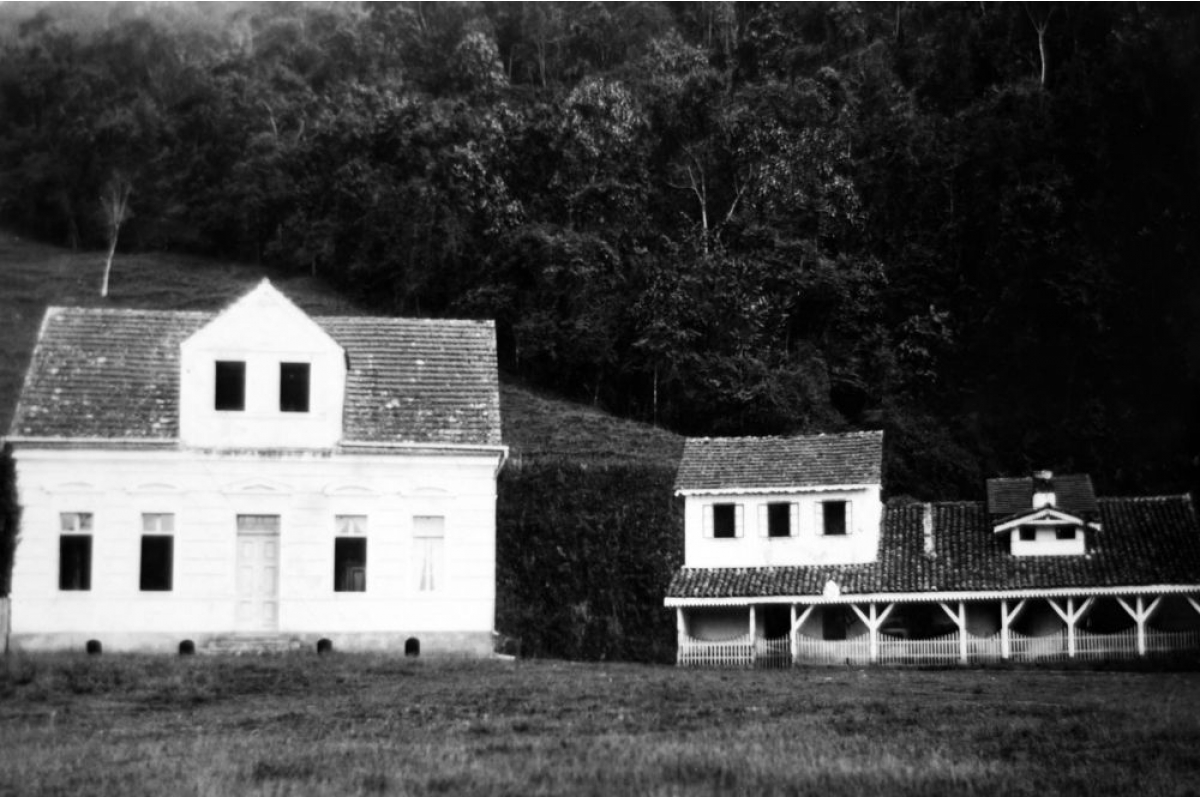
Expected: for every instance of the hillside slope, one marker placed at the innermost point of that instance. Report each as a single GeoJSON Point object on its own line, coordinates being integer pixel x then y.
{"type": "Point", "coordinates": [36, 275]}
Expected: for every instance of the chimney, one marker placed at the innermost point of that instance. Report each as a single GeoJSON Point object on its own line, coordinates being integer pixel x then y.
{"type": "Point", "coordinates": [927, 527]}
{"type": "Point", "coordinates": [1043, 489]}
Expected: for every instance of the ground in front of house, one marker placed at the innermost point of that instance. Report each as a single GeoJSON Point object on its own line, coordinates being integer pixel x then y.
{"type": "Point", "coordinates": [355, 724]}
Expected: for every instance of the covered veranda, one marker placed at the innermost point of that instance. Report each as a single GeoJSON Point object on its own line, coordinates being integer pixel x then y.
{"type": "Point", "coordinates": [940, 628]}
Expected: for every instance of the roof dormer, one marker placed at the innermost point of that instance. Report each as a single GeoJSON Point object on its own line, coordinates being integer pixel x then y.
{"type": "Point", "coordinates": [1044, 514]}
{"type": "Point", "coordinates": [262, 374]}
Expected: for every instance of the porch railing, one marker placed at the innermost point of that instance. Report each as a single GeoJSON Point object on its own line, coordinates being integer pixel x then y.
{"type": "Point", "coordinates": [742, 651]}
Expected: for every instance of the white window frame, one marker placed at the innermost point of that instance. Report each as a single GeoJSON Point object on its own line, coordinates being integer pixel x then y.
{"type": "Point", "coordinates": [157, 530]}
{"type": "Point", "coordinates": [709, 513]}
{"type": "Point", "coordinates": [764, 519]}
{"type": "Point", "coordinates": [348, 531]}
{"type": "Point", "coordinates": [819, 509]}
{"type": "Point", "coordinates": [429, 556]}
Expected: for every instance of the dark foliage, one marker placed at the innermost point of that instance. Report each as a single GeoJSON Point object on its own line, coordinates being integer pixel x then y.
{"type": "Point", "coordinates": [580, 576]}
{"type": "Point", "coordinates": [10, 517]}
{"type": "Point", "coordinates": [973, 225]}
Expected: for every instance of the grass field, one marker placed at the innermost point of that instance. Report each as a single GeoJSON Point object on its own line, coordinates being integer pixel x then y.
{"type": "Point", "coordinates": [348, 724]}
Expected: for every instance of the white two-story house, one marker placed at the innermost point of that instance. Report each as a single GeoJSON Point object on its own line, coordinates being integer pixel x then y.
{"type": "Point", "coordinates": [790, 556]}
{"type": "Point", "coordinates": [200, 480]}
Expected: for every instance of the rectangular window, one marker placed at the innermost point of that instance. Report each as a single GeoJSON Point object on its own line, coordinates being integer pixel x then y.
{"type": "Point", "coordinates": [1065, 532]}
{"type": "Point", "coordinates": [779, 519]}
{"type": "Point", "coordinates": [834, 514]}
{"type": "Point", "coordinates": [293, 387]}
{"type": "Point", "coordinates": [429, 540]}
{"type": "Point", "coordinates": [75, 552]}
{"type": "Point", "coordinates": [231, 386]}
{"type": "Point", "coordinates": [724, 521]}
{"type": "Point", "coordinates": [350, 554]}
{"type": "Point", "coordinates": [158, 552]}
{"type": "Point", "coordinates": [1028, 534]}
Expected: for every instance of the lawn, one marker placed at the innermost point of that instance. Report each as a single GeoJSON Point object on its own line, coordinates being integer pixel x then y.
{"type": "Point", "coordinates": [351, 724]}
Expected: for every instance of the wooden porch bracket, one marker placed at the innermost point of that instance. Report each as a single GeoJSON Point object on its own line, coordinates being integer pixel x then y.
{"type": "Point", "coordinates": [1141, 615]}
{"type": "Point", "coordinates": [1070, 616]}
{"type": "Point", "coordinates": [873, 621]}
{"type": "Point", "coordinates": [797, 622]}
{"type": "Point", "coordinates": [1006, 621]}
{"type": "Point", "coordinates": [959, 619]}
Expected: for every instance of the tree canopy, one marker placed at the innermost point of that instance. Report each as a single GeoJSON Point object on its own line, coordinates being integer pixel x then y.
{"type": "Point", "coordinates": [974, 225]}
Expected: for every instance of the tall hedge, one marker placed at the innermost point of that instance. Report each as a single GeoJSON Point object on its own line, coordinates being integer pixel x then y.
{"type": "Point", "coordinates": [10, 516]}
{"type": "Point", "coordinates": [583, 558]}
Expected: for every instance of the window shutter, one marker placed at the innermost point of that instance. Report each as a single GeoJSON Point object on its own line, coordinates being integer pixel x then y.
{"type": "Point", "coordinates": [819, 517]}
{"type": "Point", "coordinates": [706, 512]}
{"type": "Point", "coordinates": [737, 520]}
{"type": "Point", "coordinates": [794, 519]}
{"type": "Point", "coordinates": [763, 519]}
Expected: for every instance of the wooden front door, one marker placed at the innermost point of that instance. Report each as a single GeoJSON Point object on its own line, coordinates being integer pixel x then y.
{"type": "Point", "coordinates": [258, 572]}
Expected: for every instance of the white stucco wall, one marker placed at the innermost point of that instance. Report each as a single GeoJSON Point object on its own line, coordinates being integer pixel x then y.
{"type": "Point", "coordinates": [206, 492]}
{"type": "Point", "coordinates": [808, 545]}
{"type": "Point", "coordinates": [1047, 543]}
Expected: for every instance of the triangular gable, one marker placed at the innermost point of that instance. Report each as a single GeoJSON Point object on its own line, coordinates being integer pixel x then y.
{"type": "Point", "coordinates": [1042, 516]}
{"type": "Point", "coordinates": [262, 319]}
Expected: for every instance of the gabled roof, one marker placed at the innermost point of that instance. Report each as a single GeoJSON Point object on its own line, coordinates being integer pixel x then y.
{"type": "Point", "coordinates": [842, 459]}
{"type": "Point", "coordinates": [1143, 541]}
{"type": "Point", "coordinates": [1073, 494]}
{"type": "Point", "coordinates": [114, 374]}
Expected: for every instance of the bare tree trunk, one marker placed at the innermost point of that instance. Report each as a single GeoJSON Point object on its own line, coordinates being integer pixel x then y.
{"type": "Point", "coordinates": [112, 249]}
{"type": "Point", "coordinates": [1040, 26]}
{"type": "Point", "coordinates": [115, 204]}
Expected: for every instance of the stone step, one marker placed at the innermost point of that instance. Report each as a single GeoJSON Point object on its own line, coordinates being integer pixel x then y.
{"type": "Point", "coordinates": [251, 644]}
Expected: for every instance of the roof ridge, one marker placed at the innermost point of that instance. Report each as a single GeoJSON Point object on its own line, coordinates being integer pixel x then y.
{"type": "Point", "coordinates": [1145, 498]}
{"type": "Point", "coordinates": [420, 320]}
{"type": "Point", "coordinates": [788, 437]}
{"type": "Point", "coordinates": [127, 310]}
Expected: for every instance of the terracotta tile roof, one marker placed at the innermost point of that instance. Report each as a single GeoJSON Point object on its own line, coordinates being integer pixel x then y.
{"type": "Point", "coordinates": [1073, 494]}
{"type": "Point", "coordinates": [781, 461]}
{"type": "Point", "coordinates": [114, 373]}
{"type": "Point", "coordinates": [1142, 541]}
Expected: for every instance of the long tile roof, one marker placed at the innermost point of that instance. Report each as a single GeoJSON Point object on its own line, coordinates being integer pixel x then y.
{"type": "Point", "coordinates": [1142, 541]}
{"type": "Point", "coordinates": [114, 373]}
{"type": "Point", "coordinates": [781, 461]}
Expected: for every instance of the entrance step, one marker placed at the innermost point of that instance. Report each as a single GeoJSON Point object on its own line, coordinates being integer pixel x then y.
{"type": "Point", "coordinates": [251, 644]}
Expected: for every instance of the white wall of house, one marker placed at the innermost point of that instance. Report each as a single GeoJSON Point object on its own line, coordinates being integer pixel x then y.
{"type": "Point", "coordinates": [1047, 543]}
{"type": "Point", "coordinates": [206, 492]}
{"type": "Point", "coordinates": [263, 331]}
{"type": "Point", "coordinates": [807, 542]}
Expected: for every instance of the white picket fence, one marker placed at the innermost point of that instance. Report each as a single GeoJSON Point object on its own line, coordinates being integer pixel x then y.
{"type": "Point", "coordinates": [742, 651]}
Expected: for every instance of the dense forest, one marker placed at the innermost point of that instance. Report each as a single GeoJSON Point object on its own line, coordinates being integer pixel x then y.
{"type": "Point", "coordinates": [973, 225]}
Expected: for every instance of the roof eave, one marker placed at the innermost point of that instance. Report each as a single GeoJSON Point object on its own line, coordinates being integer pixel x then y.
{"type": "Point", "coordinates": [934, 596]}
{"type": "Point", "coordinates": [740, 490]}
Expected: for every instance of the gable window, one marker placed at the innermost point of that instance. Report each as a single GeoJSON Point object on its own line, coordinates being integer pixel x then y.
{"type": "Point", "coordinates": [350, 554]}
{"type": "Point", "coordinates": [158, 552]}
{"type": "Point", "coordinates": [429, 545]}
{"type": "Point", "coordinates": [1065, 532]}
{"type": "Point", "coordinates": [779, 519]}
{"type": "Point", "coordinates": [293, 387]}
{"type": "Point", "coordinates": [1028, 534]}
{"type": "Point", "coordinates": [835, 517]}
{"type": "Point", "coordinates": [75, 552]}
{"type": "Point", "coordinates": [231, 386]}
